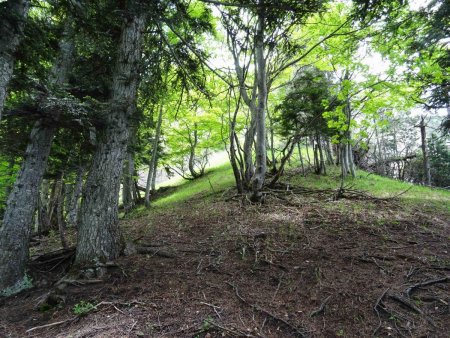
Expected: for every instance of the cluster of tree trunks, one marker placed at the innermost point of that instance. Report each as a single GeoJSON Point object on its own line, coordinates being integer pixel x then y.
{"type": "Point", "coordinates": [98, 237]}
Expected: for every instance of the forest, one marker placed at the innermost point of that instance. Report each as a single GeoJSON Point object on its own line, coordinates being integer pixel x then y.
{"type": "Point", "coordinates": [224, 168]}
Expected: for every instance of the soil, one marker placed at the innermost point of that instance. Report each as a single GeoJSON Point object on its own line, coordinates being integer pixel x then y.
{"type": "Point", "coordinates": [347, 268]}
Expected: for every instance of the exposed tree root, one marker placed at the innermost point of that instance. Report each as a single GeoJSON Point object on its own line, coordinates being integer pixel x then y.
{"type": "Point", "coordinates": [283, 191]}
{"type": "Point", "coordinates": [426, 283]}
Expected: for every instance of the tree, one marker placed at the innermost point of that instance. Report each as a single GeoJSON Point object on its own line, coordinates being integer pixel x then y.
{"type": "Point", "coordinates": [302, 110]}
{"type": "Point", "coordinates": [257, 36]}
{"type": "Point", "coordinates": [12, 19]}
{"type": "Point", "coordinates": [98, 233]}
{"type": "Point", "coordinates": [21, 205]}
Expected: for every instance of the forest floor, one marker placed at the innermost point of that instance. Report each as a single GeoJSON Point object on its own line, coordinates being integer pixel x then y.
{"type": "Point", "coordinates": [216, 266]}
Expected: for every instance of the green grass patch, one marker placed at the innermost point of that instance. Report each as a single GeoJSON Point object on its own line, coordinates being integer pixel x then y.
{"type": "Point", "coordinates": [219, 178]}
{"type": "Point", "coordinates": [215, 180]}
{"type": "Point", "coordinates": [379, 186]}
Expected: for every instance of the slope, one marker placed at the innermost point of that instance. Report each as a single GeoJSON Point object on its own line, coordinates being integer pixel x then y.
{"type": "Point", "coordinates": [214, 265]}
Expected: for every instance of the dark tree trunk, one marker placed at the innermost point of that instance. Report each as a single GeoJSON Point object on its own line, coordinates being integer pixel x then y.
{"type": "Point", "coordinates": [128, 200]}
{"type": "Point", "coordinates": [12, 21]}
{"type": "Point", "coordinates": [18, 219]}
{"type": "Point", "coordinates": [21, 206]}
{"type": "Point", "coordinates": [322, 167]}
{"type": "Point", "coordinates": [72, 216]}
{"type": "Point", "coordinates": [98, 235]}
{"type": "Point", "coordinates": [233, 156]}
{"type": "Point", "coordinates": [426, 161]}
{"type": "Point", "coordinates": [191, 162]}
{"type": "Point", "coordinates": [60, 211]}
{"type": "Point", "coordinates": [43, 225]}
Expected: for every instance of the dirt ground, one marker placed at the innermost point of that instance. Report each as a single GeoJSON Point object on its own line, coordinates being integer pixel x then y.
{"type": "Point", "coordinates": [229, 269]}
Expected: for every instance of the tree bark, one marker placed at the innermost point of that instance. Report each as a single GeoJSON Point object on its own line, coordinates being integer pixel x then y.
{"type": "Point", "coordinates": [260, 147]}
{"type": "Point", "coordinates": [233, 156]}
{"type": "Point", "coordinates": [12, 21]}
{"type": "Point", "coordinates": [60, 211]}
{"type": "Point", "coordinates": [128, 200]}
{"type": "Point", "coordinates": [21, 205]}
{"type": "Point", "coordinates": [323, 169]}
{"type": "Point", "coordinates": [72, 218]}
{"type": "Point", "coordinates": [99, 236]}
{"type": "Point", "coordinates": [426, 161]}
{"type": "Point", "coordinates": [152, 168]}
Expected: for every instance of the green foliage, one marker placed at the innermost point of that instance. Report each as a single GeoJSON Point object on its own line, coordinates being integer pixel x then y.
{"type": "Point", "coordinates": [83, 308]}
{"type": "Point", "coordinates": [23, 284]}
{"type": "Point", "coordinates": [439, 154]}
{"type": "Point", "coordinates": [439, 157]}
{"type": "Point", "coordinates": [302, 110]}
{"type": "Point", "coordinates": [8, 172]}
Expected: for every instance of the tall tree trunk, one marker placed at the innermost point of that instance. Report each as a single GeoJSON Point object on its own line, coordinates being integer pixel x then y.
{"type": "Point", "coordinates": [323, 169]}
{"type": "Point", "coordinates": [128, 200]}
{"type": "Point", "coordinates": [98, 235]}
{"type": "Point", "coordinates": [316, 157]}
{"type": "Point", "coordinates": [249, 167]}
{"type": "Point", "coordinates": [191, 161]}
{"type": "Point", "coordinates": [260, 147]}
{"type": "Point", "coordinates": [344, 160]}
{"type": "Point", "coordinates": [43, 201]}
{"type": "Point", "coordinates": [272, 144]}
{"type": "Point", "coordinates": [233, 151]}
{"type": "Point", "coordinates": [12, 21]}
{"type": "Point", "coordinates": [21, 206]}
{"type": "Point", "coordinates": [426, 161]}
{"type": "Point", "coordinates": [301, 157]}
{"type": "Point", "coordinates": [60, 211]}
{"type": "Point", "coordinates": [307, 150]}
{"type": "Point", "coordinates": [72, 218]}
{"type": "Point", "coordinates": [351, 162]}
{"type": "Point", "coordinates": [152, 168]}
{"type": "Point", "coordinates": [329, 151]}
{"type": "Point", "coordinates": [155, 173]}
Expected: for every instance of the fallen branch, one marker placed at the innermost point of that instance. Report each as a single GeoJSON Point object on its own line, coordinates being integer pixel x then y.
{"type": "Point", "coordinates": [51, 324]}
{"type": "Point", "coordinates": [214, 307]}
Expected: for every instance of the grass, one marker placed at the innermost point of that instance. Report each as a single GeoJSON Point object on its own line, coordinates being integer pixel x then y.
{"type": "Point", "coordinates": [416, 196]}
{"type": "Point", "coordinates": [215, 180]}
{"type": "Point", "coordinates": [219, 178]}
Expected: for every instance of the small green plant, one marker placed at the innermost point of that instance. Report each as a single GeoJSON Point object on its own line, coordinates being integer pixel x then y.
{"type": "Point", "coordinates": [340, 333]}
{"type": "Point", "coordinates": [23, 284]}
{"type": "Point", "coordinates": [83, 308]}
{"type": "Point", "coordinates": [206, 325]}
